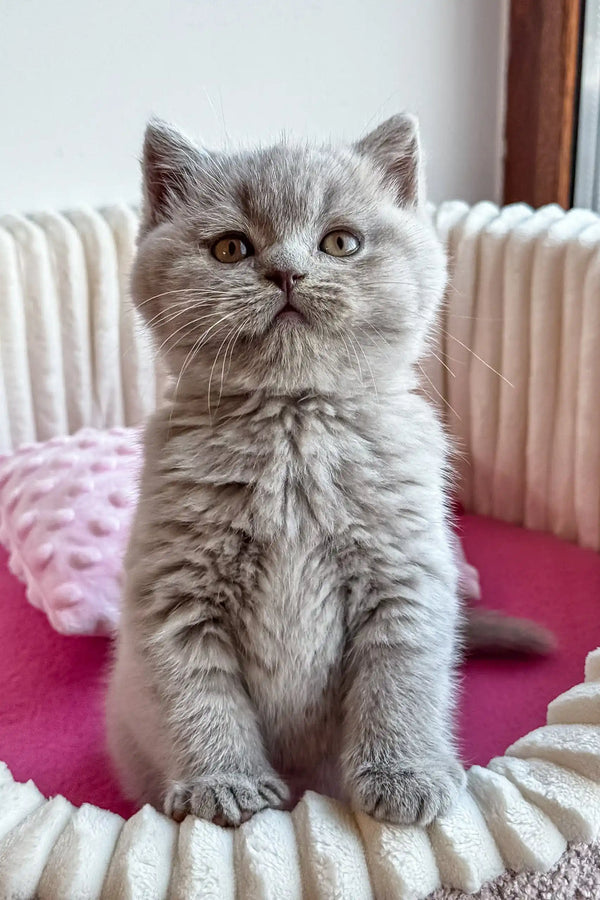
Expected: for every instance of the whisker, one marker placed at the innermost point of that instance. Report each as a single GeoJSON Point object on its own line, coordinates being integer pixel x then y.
{"type": "Point", "coordinates": [385, 283]}
{"type": "Point", "coordinates": [210, 377]}
{"type": "Point", "coordinates": [370, 369]}
{"type": "Point", "coordinates": [347, 349]}
{"type": "Point", "coordinates": [165, 294]}
{"type": "Point", "coordinates": [377, 331]}
{"type": "Point", "coordinates": [486, 364]}
{"type": "Point", "coordinates": [357, 359]}
{"type": "Point", "coordinates": [168, 316]}
{"type": "Point", "coordinates": [198, 343]}
{"type": "Point", "coordinates": [165, 316]}
{"type": "Point", "coordinates": [454, 315]}
{"type": "Point", "coordinates": [188, 325]}
{"type": "Point", "coordinates": [232, 342]}
{"type": "Point", "coordinates": [194, 350]}
{"type": "Point", "coordinates": [441, 361]}
{"type": "Point", "coordinates": [442, 398]}
{"type": "Point", "coordinates": [237, 337]}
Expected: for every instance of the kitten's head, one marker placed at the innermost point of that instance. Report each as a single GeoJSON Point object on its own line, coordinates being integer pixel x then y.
{"type": "Point", "coordinates": [292, 268]}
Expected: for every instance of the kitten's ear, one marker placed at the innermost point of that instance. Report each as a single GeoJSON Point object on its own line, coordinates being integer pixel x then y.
{"type": "Point", "coordinates": [395, 149]}
{"type": "Point", "coordinates": [171, 163]}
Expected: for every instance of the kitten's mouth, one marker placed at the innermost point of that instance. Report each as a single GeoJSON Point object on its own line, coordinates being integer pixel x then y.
{"type": "Point", "coordinates": [289, 313]}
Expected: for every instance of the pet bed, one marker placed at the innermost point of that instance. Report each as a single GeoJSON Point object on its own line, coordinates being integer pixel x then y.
{"type": "Point", "coordinates": [524, 298]}
{"type": "Point", "coordinates": [518, 813]}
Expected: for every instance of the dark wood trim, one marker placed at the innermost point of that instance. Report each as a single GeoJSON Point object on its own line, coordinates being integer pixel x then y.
{"type": "Point", "coordinates": [542, 88]}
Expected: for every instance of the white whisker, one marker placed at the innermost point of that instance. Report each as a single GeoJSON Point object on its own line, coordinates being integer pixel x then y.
{"type": "Point", "coordinates": [193, 351]}
{"type": "Point", "coordinates": [357, 359]}
{"type": "Point", "coordinates": [232, 342]}
{"type": "Point", "coordinates": [486, 364]}
{"type": "Point", "coordinates": [189, 325]}
{"type": "Point", "coordinates": [441, 361]}
{"type": "Point", "coordinates": [210, 377]}
{"type": "Point", "coordinates": [442, 398]}
{"type": "Point", "coordinates": [165, 294]}
{"type": "Point", "coordinates": [376, 330]}
{"type": "Point", "coordinates": [370, 369]}
{"type": "Point", "coordinates": [347, 349]}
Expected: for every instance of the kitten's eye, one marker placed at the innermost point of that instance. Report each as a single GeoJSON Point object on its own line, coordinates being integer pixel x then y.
{"type": "Point", "coordinates": [232, 248]}
{"type": "Point", "coordinates": [339, 243]}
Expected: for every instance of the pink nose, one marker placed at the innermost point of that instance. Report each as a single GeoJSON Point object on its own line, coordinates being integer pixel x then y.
{"type": "Point", "coordinates": [284, 280]}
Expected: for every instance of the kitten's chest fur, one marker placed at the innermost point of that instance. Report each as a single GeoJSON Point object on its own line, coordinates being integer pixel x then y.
{"type": "Point", "coordinates": [291, 499]}
{"type": "Point", "coordinates": [293, 628]}
{"type": "Point", "coordinates": [280, 478]}
{"type": "Point", "coordinates": [292, 641]}
{"type": "Point", "coordinates": [290, 472]}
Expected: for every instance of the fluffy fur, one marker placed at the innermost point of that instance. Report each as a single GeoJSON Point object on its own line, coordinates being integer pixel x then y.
{"type": "Point", "coordinates": [290, 615]}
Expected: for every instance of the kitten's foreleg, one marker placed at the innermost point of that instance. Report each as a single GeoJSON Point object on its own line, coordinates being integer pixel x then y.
{"type": "Point", "coordinates": [219, 769]}
{"type": "Point", "coordinates": [398, 760]}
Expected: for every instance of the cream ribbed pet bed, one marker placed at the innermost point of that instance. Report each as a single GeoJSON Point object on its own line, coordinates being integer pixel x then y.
{"type": "Point", "coordinates": [524, 297]}
{"type": "Point", "coordinates": [517, 813]}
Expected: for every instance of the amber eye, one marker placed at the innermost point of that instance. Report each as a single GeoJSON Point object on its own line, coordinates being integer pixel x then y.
{"type": "Point", "coordinates": [232, 248]}
{"type": "Point", "coordinates": [339, 243]}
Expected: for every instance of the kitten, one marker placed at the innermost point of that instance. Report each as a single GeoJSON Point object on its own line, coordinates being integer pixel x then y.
{"type": "Point", "coordinates": [290, 614]}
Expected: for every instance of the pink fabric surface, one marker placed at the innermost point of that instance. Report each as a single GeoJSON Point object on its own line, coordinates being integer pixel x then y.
{"type": "Point", "coordinates": [557, 584]}
{"type": "Point", "coordinates": [65, 513]}
{"type": "Point", "coordinates": [51, 722]}
{"type": "Point", "coordinates": [51, 719]}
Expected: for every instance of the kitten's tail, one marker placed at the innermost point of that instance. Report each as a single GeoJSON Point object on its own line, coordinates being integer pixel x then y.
{"type": "Point", "coordinates": [491, 633]}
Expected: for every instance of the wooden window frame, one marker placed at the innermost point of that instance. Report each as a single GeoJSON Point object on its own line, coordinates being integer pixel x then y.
{"type": "Point", "coordinates": [541, 100]}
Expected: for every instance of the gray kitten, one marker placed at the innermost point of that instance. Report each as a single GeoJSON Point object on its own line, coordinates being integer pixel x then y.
{"type": "Point", "coordinates": [290, 614]}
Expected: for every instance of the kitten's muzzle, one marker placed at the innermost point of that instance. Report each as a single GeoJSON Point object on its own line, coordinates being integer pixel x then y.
{"type": "Point", "coordinates": [288, 311]}
{"type": "Point", "coordinates": [286, 281]}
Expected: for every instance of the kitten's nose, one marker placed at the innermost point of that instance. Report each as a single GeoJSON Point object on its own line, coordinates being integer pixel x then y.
{"type": "Point", "coordinates": [284, 279]}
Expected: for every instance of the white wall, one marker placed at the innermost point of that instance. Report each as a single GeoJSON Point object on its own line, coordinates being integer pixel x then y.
{"type": "Point", "coordinates": [78, 78]}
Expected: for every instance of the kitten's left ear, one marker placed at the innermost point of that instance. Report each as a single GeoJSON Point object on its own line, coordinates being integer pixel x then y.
{"type": "Point", "coordinates": [395, 149]}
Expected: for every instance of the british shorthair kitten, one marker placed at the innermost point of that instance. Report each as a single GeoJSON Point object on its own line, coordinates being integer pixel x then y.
{"type": "Point", "coordinates": [290, 616]}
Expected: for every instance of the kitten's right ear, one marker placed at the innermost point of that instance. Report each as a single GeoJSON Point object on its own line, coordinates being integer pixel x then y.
{"type": "Point", "coordinates": [171, 163]}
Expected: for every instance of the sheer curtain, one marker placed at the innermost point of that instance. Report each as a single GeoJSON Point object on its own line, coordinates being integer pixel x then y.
{"type": "Point", "coordinates": [587, 165]}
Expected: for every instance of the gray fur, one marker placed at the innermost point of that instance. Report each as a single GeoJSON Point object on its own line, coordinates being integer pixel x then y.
{"type": "Point", "coordinates": [290, 612]}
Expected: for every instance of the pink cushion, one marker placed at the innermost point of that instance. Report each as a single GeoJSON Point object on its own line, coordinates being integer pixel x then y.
{"type": "Point", "coordinates": [65, 514]}
{"type": "Point", "coordinates": [51, 720]}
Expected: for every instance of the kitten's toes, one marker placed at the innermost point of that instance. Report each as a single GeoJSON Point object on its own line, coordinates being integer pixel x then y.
{"type": "Point", "coordinates": [226, 798]}
{"type": "Point", "coordinates": [407, 796]}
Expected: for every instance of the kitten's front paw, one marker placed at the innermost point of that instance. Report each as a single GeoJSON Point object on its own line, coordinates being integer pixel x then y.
{"type": "Point", "coordinates": [226, 798]}
{"type": "Point", "coordinates": [407, 796]}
